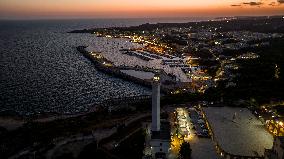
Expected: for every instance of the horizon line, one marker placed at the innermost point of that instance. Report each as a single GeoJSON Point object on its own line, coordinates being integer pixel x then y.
{"type": "Point", "coordinates": [117, 18]}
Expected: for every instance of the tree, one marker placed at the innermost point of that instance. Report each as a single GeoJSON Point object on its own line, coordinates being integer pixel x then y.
{"type": "Point", "coordinates": [185, 151]}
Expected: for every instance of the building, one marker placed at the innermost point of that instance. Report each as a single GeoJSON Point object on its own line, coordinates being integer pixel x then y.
{"type": "Point", "coordinates": [160, 131]}
{"type": "Point", "coordinates": [277, 151]}
{"type": "Point", "coordinates": [160, 141]}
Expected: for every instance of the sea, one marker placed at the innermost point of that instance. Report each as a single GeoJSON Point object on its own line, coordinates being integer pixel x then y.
{"type": "Point", "coordinates": [42, 72]}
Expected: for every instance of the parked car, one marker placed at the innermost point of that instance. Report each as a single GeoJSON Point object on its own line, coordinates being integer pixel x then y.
{"type": "Point", "coordinates": [203, 134]}
{"type": "Point", "coordinates": [205, 131]}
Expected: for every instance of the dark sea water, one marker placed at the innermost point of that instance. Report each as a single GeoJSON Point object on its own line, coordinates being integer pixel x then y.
{"type": "Point", "coordinates": [41, 70]}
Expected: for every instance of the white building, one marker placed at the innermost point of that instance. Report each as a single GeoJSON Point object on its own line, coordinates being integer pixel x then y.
{"type": "Point", "coordinates": [160, 141]}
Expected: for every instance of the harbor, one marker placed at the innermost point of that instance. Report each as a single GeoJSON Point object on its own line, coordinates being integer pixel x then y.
{"type": "Point", "coordinates": [138, 74]}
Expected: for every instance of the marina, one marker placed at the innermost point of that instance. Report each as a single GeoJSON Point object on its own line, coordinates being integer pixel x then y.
{"type": "Point", "coordinates": [138, 74]}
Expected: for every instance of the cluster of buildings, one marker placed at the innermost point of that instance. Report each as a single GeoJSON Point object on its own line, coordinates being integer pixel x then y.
{"type": "Point", "coordinates": [274, 122]}
{"type": "Point", "coordinates": [249, 55]}
{"type": "Point", "coordinates": [196, 51]}
{"type": "Point", "coordinates": [189, 49]}
{"type": "Point", "coordinates": [165, 138]}
{"type": "Point", "coordinates": [273, 119]}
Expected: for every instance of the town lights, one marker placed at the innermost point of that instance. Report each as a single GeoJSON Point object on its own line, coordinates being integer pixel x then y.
{"type": "Point", "coordinates": [156, 78]}
{"type": "Point", "coordinates": [281, 123]}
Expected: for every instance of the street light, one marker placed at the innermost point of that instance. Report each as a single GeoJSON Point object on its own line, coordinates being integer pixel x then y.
{"type": "Point", "coordinates": [156, 78]}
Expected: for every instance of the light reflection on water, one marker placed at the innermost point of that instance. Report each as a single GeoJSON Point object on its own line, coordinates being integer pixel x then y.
{"type": "Point", "coordinates": [41, 71]}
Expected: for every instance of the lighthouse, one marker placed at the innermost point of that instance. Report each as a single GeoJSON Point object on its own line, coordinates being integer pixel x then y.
{"type": "Point", "coordinates": [156, 103]}
{"type": "Point", "coordinates": [160, 129]}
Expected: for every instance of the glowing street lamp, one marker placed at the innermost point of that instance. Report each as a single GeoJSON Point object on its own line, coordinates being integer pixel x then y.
{"type": "Point", "coordinates": [156, 78]}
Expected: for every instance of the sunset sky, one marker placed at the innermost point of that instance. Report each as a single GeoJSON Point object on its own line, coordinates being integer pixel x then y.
{"type": "Point", "coordinates": [137, 8]}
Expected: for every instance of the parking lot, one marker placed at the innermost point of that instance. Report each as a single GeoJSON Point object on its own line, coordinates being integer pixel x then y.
{"type": "Point", "coordinates": [188, 125]}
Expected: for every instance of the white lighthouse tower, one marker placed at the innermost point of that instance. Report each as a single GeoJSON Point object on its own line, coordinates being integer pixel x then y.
{"type": "Point", "coordinates": [156, 103]}
{"type": "Point", "coordinates": [160, 129]}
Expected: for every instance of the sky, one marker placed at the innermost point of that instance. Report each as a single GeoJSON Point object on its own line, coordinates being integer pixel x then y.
{"type": "Point", "coordinates": [137, 8]}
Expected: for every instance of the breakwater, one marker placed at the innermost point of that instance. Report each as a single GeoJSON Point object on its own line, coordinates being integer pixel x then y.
{"type": "Point", "coordinates": [107, 67]}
